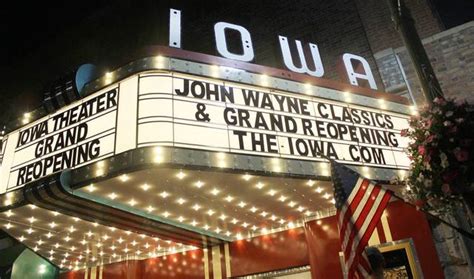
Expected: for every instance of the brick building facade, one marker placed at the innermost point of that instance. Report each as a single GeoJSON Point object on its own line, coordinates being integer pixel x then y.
{"type": "Point", "coordinates": [380, 30]}
{"type": "Point", "coordinates": [452, 57]}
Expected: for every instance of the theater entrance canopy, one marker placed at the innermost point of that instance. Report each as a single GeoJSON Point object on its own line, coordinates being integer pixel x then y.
{"type": "Point", "coordinates": [179, 151]}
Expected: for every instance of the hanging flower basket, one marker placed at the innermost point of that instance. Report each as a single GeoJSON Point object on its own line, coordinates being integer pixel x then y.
{"type": "Point", "coordinates": [441, 151]}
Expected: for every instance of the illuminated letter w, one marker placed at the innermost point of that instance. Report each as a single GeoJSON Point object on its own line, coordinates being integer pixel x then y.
{"type": "Point", "coordinates": [289, 63]}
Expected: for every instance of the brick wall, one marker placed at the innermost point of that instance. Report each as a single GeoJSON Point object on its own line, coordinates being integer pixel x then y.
{"type": "Point", "coordinates": [380, 30]}
{"type": "Point", "coordinates": [452, 250]}
{"type": "Point", "coordinates": [451, 53]}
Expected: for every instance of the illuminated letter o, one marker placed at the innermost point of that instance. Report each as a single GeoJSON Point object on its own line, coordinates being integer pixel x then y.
{"type": "Point", "coordinates": [221, 42]}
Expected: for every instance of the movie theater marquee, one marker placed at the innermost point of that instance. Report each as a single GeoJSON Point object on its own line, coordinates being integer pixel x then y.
{"type": "Point", "coordinates": [167, 108]}
{"type": "Point", "coordinates": [72, 137]}
{"type": "Point", "coordinates": [171, 109]}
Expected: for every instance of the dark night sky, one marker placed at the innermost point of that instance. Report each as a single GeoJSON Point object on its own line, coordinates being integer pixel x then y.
{"type": "Point", "coordinates": [23, 28]}
{"type": "Point", "coordinates": [27, 26]}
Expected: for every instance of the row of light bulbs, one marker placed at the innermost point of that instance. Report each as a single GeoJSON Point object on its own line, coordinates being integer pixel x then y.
{"type": "Point", "coordinates": [101, 253]}
{"type": "Point", "coordinates": [210, 212]}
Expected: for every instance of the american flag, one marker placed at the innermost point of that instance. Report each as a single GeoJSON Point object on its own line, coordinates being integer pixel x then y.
{"type": "Point", "coordinates": [360, 204]}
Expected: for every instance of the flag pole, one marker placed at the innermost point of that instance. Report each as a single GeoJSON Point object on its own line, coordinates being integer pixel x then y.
{"type": "Point", "coordinates": [430, 215]}
{"type": "Point", "coordinates": [405, 24]}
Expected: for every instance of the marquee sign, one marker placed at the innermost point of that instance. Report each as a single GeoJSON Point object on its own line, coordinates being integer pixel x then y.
{"type": "Point", "coordinates": [74, 136]}
{"type": "Point", "coordinates": [222, 116]}
{"type": "Point", "coordinates": [179, 110]}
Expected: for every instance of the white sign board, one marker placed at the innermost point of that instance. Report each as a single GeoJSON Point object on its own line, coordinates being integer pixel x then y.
{"type": "Point", "coordinates": [74, 136]}
{"type": "Point", "coordinates": [187, 111]}
{"type": "Point", "coordinates": [198, 113]}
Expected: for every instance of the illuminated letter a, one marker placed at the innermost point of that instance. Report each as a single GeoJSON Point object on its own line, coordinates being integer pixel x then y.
{"type": "Point", "coordinates": [353, 75]}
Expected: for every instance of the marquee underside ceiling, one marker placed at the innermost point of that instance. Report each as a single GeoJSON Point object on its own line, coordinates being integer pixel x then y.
{"type": "Point", "coordinates": [221, 205]}
{"type": "Point", "coordinates": [71, 243]}
{"type": "Point", "coordinates": [217, 205]}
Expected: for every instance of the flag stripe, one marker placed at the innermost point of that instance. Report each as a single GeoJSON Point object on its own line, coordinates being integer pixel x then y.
{"type": "Point", "coordinates": [362, 208]}
{"type": "Point", "coordinates": [371, 222]}
{"type": "Point", "coordinates": [363, 271]}
{"type": "Point", "coordinates": [359, 230]}
{"type": "Point", "coordinates": [364, 262]}
{"type": "Point", "coordinates": [354, 191]}
{"type": "Point", "coordinates": [355, 195]}
{"type": "Point", "coordinates": [347, 211]}
{"type": "Point", "coordinates": [376, 218]}
{"type": "Point", "coordinates": [358, 214]}
{"type": "Point", "coordinates": [353, 212]}
{"type": "Point", "coordinates": [366, 216]}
